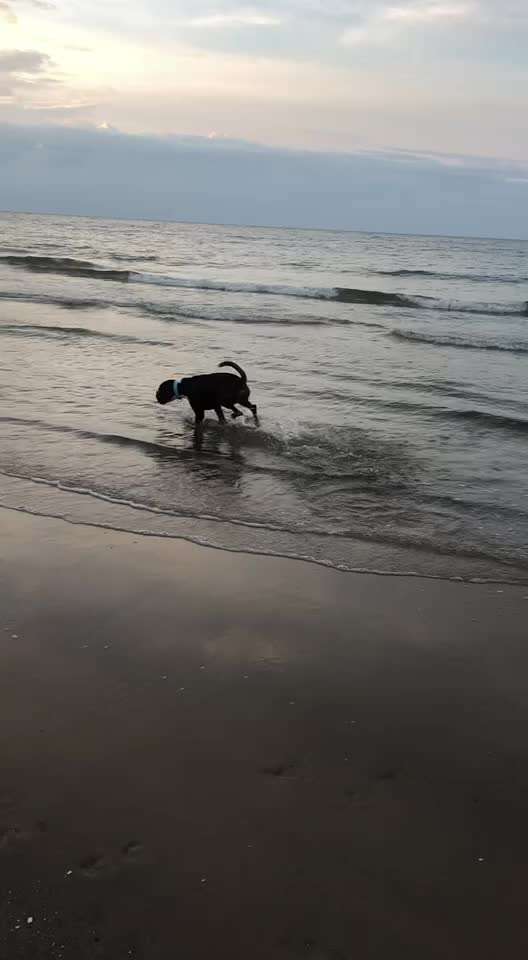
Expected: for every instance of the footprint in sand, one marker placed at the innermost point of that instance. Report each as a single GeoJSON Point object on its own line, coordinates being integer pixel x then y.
{"type": "Point", "coordinates": [131, 850]}
{"type": "Point", "coordinates": [391, 774]}
{"type": "Point", "coordinates": [97, 863]}
{"type": "Point", "coordinates": [13, 833]}
{"type": "Point", "coordinates": [93, 864]}
{"type": "Point", "coordinates": [280, 769]}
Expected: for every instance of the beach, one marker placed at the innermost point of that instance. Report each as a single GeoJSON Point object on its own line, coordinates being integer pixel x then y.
{"type": "Point", "coordinates": [208, 754]}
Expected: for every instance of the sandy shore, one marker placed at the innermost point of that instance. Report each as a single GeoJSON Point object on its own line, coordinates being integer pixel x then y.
{"type": "Point", "coordinates": [206, 755]}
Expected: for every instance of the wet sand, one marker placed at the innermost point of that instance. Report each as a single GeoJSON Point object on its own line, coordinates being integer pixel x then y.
{"type": "Point", "coordinates": [207, 755]}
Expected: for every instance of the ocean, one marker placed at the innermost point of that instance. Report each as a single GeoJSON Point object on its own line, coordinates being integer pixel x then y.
{"type": "Point", "coordinates": [390, 373]}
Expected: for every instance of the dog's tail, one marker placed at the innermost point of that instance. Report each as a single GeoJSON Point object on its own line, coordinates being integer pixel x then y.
{"type": "Point", "coordinates": [228, 363]}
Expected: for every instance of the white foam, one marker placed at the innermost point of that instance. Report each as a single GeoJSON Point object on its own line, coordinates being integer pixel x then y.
{"type": "Point", "coordinates": [314, 293]}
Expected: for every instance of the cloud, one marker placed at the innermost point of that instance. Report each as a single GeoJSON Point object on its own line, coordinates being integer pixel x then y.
{"type": "Point", "coordinates": [428, 13]}
{"type": "Point", "coordinates": [443, 159]}
{"type": "Point", "coordinates": [79, 106]}
{"type": "Point", "coordinates": [86, 171]}
{"type": "Point", "coordinates": [25, 76]}
{"type": "Point", "coordinates": [235, 18]}
{"type": "Point", "coordinates": [7, 12]}
{"type": "Point", "coordinates": [23, 61]}
{"type": "Point", "coordinates": [381, 21]}
{"type": "Point", "coordinates": [432, 74]}
{"type": "Point", "coordinates": [386, 23]}
{"type": "Point", "coordinates": [506, 11]}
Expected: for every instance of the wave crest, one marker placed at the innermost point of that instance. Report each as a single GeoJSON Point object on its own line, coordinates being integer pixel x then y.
{"type": "Point", "coordinates": [463, 343]}
{"type": "Point", "coordinates": [352, 295]}
{"type": "Point", "coordinates": [65, 265]}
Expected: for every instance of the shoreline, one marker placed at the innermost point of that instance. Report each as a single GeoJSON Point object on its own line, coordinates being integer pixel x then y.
{"type": "Point", "coordinates": [246, 551]}
{"type": "Point", "coordinates": [256, 758]}
{"type": "Point", "coordinates": [384, 559]}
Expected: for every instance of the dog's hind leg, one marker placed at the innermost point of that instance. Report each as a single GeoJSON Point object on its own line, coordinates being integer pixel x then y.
{"type": "Point", "coordinates": [220, 414]}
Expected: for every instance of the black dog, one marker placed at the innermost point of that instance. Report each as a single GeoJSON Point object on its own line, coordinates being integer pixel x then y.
{"type": "Point", "coordinates": [211, 391]}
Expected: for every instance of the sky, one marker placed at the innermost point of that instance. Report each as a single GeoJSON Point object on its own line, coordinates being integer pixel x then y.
{"type": "Point", "coordinates": [437, 91]}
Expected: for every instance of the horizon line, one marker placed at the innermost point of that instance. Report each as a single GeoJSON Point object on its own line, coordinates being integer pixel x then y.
{"type": "Point", "coordinates": [260, 226]}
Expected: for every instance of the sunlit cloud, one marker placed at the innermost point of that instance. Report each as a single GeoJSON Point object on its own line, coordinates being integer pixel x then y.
{"type": "Point", "coordinates": [430, 75]}
{"type": "Point", "coordinates": [7, 12]}
{"type": "Point", "coordinates": [386, 23]}
{"type": "Point", "coordinates": [59, 107]}
{"type": "Point", "coordinates": [25, 74]}
{"type": "Point", "coordinates": [428, 13]}
{"type": "Point", "coordinates": [236, 18]}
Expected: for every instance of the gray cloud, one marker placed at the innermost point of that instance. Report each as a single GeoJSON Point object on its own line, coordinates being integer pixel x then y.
{"type": "Point", "coordinates": [348, 32]}
{"type": "Point", "coordinates": [19, 71]}
{"type": "Point", "coordinates": [338, 12]}
{"type": "Point", "coordinates": [107, 173]}
{"type": "Point", "coordinates": [23, 61]}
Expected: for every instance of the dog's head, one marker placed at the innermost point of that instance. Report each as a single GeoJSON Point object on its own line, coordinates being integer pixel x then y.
{"type": "Point", "coordinates": [165, 392]}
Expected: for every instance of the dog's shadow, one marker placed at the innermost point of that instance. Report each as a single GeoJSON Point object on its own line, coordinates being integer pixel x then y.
{"type": "Point", "coordinates": [226, 439]}
{"type": "Point", "coordinates": [212, 453]}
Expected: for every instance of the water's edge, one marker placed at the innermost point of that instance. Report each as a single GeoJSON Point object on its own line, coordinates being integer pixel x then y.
{"type": "Point", "coordinates": [22, 495]}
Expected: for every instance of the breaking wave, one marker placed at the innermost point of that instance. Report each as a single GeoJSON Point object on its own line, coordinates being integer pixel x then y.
{"type": "Point", "coordinates": [463, 343]}
{"type": "Point", "coordinates": [446, 275]}
{"type": "Point", "coordinates": [67, 333]}
{"type": "Point", "coordinates": [65, 265]}
{"type": "Point", "coordinates": [85, 268]}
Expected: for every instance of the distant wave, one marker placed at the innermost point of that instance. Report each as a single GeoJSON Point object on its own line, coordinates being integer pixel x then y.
{"type": "Point", "coordinates": [167, 313]}
{"type": "Point", "coordinates": [464, 343]}
{"type": "Point", "coordinates": [488, 309]}
{"type": "Point", "coordinates": [482, 417]}
{"type": "Point", "coordinates": [67, 333]}
{"type": "Point", "coordinates": [352, 295]}
{"type": "Point", "coordinates": [69, 303]}
{"type": "Point", "coordinates": [148, 258]}
{"type": "Point", "coordinates": [446, 275]}
{"type": "Point", "coordinates": [65, 265]}
{"type": "Point", "coordinates": [340, 294]}
{"type": "Point", "coordinates": [485, 418]}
